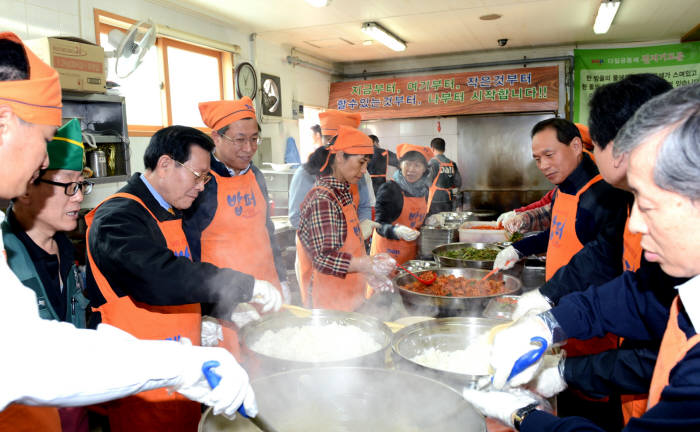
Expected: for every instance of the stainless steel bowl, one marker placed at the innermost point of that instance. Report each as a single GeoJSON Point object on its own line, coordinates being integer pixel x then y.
{"type": "Point", "coordinates": [419, 265]}
{"type": "Point", "coordinates": [443, 306]}
{"type": "Point", "coordinates": [431, 237]}
{"type": "Point", "coordinates": [480, 264]}
{"type": "Point", "coordinates": [355, 399]}
{"type": "Point", "coordinates": [261, 364]}
{"type": "Point", "coordinates": [445, 334]}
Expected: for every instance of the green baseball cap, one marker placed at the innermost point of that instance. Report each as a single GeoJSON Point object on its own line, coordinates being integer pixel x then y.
{"type": "Point", "coordinates": [66, 148]}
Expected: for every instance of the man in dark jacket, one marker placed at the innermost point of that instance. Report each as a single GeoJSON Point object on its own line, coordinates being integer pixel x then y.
{"type": "Point", "coordinates": [378, 166]}
{"type": "Point", "coordinates": [444, 176]}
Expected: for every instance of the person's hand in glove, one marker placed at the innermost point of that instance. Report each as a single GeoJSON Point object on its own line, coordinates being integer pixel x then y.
{"type": "Point", "coordinates": [506, 258]}
{"type": "Point", "coordinates": [500, 405]}
{"type": "Point", "coordinates": [437, 219]}
{"type": "Point", "coordinates": [211, 332]}
{"type": "Point", "coordinates": [380, 283]}
{"type": "Point", "coordinates": [530, 303]}
{"type": "Point", "coordinates": [505, 216]}
{"type": "Point", "coordinates": [511, 343]}
{"type": "Point", "coordinates": [382, 264]}
{"type": "Point", "coordinates": [266, 295]}
{"type": "Point", "coordinates": [233, 390]}
{"type": "Point", "coordinates": [549, 381]}
{"type": "Point", "coordinates": [367, 227]}
{"type": "Point", "coordinates": [243, 314]}
{"type": "Point", "coordinates": [405, 233]}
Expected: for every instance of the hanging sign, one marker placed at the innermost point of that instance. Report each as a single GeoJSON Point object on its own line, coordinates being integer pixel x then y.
{"type": "Point", "coordinates": [678, 64]}
{"type": "Point", "coordinates": [475, 92]}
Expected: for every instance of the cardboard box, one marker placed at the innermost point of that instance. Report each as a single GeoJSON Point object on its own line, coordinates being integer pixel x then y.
{"type": "Point", "coordinates": [80, 64]}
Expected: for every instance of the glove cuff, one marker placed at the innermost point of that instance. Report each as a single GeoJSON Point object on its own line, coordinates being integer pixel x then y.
{"type": "Point", "coordinates": [558, 334]}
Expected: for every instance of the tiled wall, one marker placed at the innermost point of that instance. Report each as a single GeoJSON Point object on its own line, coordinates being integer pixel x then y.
{"type": "Point", "coordinates": [36, 18]}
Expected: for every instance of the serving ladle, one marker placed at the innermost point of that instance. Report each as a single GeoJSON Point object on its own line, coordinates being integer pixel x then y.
{"type": "Point", "coordinates": [427, 281]}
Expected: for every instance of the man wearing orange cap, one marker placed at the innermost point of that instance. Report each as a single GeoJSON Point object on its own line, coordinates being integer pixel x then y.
{"type": "Point", "coordinates": [334, 269]}
{"type": "Point", "coordinates": [229, 224]}
{"type": "Point", "coordinates": [40, 355]}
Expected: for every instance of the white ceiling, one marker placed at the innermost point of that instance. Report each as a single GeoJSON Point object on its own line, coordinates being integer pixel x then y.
{"type": "Point", "coordinates": [446, 26]}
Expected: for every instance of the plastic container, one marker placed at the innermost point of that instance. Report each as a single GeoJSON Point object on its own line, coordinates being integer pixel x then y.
{"type": "Point", "coordinates": [468, 235]}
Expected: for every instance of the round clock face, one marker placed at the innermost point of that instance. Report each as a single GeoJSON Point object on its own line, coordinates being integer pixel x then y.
{"type": "Point", "coordinates": [246, 81]}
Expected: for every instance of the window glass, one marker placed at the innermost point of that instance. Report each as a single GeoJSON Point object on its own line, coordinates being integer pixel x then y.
{"type": "Point", "coordinates": [194, 78]}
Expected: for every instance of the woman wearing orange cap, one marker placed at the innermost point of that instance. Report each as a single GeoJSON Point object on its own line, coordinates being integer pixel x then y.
{"type": "Point", "coordinates": [334, 266]}
{"type": "Point", "coordinates": [401, 204]}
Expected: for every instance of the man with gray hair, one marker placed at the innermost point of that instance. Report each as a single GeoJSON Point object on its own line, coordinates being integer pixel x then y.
{"type": "Point", "coordinates": [663, 143]}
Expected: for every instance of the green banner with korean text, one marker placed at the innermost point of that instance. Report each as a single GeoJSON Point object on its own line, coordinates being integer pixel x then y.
{"type": "Point", "coordinates": [679, 64]}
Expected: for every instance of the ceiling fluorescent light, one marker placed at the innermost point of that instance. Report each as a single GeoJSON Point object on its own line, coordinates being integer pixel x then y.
{"type": "Point", "coordinates": [606, 14]}
{"type": "Point", "coordinates": [318, 3]}
{"type": "Point", "coordinates": [384, 36]}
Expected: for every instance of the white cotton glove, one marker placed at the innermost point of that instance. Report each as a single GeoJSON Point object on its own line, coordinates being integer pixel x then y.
{"type": "Point", "coordinates": [506, 215]}
{"type": "Point", "coordinates": [211, 332]}
{"type": "Point", "coordinates": [286, 293]}
{"type": "Point", "coordinates": [382, 264]}
{"type": "Point", "coordinates": [514, 223]}
{"type": "Point", "coordinates": [530, 303]}
{"type": "Point", "coordinates": [506, 258]}
{"type": "Point", "coordinates": [549, 381]}
{"type": "Point", "coordinates": [243, 314]}
{"type": "Point", "coordinates": [500, 405]}
{"type": "Point", "coordinates": [233, 390]}
{"type": "Point", "coordinates": [510, 344]}
{"type": "Point", "coordinates": [435, 220]}
{"type": "Point", "coordinates": [266, 295]}
{"type": "Point", "coordinates": [367, 227]}
{"type": "Point", "coordinates": [405, 233]}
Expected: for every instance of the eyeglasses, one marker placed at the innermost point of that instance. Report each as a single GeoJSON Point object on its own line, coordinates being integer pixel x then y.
{"type": "Point", "coordinates": [71, 188]}
{"type": "Point", "coordinates": [202, 178]}
{"type": "Point", "coordinates": [241, 141]}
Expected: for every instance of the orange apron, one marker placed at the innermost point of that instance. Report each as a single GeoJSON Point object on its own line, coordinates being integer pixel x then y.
{"type": "Point", "coordinates": [563, 245]}
{"type": "Point", "coordinates": [319, 290]}
{"type": "Point", "coordinates": [434, 187]}
{"type": "Point", "coordinates": [23, 418]}
{"type": "Point", "coordinates": [355, 192]}
{"type": "Point", "coordinates": [412, 215]}
{"type": "Point", "coordinates": [153, 409]}
{"type": "Point", "coordinates": [674, 346]}
{"type": "Point", "coordinates": [237, 237]}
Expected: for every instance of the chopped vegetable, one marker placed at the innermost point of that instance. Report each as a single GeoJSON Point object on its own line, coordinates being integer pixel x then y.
{"type": "Point", "coordinates": [471, 254]}
{"type": "Point", "coordinates": [516, 236]}
{"type": "Point", "coordinates": [456, 286]}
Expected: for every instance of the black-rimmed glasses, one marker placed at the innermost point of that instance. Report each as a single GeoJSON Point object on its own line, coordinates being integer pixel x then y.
{"type": "Point", "coordinates": [71, 188]}
{"type": "Point", "coordinates": [202, 178]}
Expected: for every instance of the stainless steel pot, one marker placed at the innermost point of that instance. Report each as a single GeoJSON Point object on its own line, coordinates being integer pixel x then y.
{"type": "Point", "coordinates": [445, 334]}
{"type": "Point", "coordinates": [349, 399]}
{"type": "Point", "coordinates": [261, 364]}
{"type": "Point", "coordinates": [480, 264]}
{"type": "Point", "coordinates": [98, 163]}
{"type": "Point", "coordinates": [442, 306]}
{"type": "Point", "coordinates": [432, 237]}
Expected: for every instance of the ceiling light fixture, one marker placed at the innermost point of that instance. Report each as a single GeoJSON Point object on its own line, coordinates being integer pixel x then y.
{"type": "Point", "coordinates": [318, 3]}
{"type": "Point", "coordinates": [605, 16]}
{"type": "Point", "coordinates": [384, 36]}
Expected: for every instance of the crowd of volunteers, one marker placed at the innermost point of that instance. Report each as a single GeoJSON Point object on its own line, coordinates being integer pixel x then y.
{"type": "Point", "coordinates": [184, 255]}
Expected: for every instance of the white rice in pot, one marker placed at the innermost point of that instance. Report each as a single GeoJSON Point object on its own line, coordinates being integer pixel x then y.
{"type": "Point", "coordinates": [474, 360]}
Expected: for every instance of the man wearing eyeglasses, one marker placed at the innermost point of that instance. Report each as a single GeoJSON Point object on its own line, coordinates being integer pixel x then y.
{"type": "Point", "coordinates": [38, 250]}
{"type": "Point", "coordinates": [229, 224]}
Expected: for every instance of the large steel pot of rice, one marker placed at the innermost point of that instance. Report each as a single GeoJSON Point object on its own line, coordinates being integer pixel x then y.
{"type": "Point", "coordinates": [283, 341]}
{"type": "Point", "coordinates": [352, 399]}
{"type": "Point", "coordinates": [425, 348]}
{"type": "Point", "coordinates": [418, 303]}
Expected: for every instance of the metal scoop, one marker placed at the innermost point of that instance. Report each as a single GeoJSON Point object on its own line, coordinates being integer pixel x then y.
{"type": "Point", "coordinates": [427, 281]}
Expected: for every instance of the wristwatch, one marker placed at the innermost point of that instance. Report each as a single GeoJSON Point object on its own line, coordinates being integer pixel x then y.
{"type": "Point", "coordinates": [519, 415]}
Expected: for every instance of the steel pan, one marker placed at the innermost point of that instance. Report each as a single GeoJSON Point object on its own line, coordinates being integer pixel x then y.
{"type": "Point", "coordinates": [479, 264]}
{"type": "Point", "coordinates": [351, 399]}
{"type": "Point", "coordinates": [443, 306]}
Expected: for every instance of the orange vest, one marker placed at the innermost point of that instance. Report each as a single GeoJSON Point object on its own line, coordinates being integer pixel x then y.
{"type": "Point", "coordinates": [23, 418]}
{"type": "Point", "coordinates": [674, 346]}
{"type": "Point", "coordinates": [153, 409]}
{"type": "Point", "coordinates": [324, 291]}
{"type": "Point", "coordinates": [412, 215]}
{"type": "Point", "coordinates": [237, 237]}
{"type": "Point", "coordinates": [563, 245]}
{"type": "Point", "coordinates": [434, 187]}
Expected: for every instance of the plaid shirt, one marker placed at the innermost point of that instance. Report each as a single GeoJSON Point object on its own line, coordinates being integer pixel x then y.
{"type": "Point", "coordinates": [322, 227]}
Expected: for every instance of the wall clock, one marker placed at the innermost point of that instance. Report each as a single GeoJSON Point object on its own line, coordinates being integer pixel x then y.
{"type": "Point", "coordinates": [246, 80]}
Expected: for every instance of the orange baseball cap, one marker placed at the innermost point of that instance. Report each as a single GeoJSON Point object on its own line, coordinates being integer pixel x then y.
{"type": "Point", "coordinates": [585, 136]}
{"type": "Point", "coordinates": [220, 113]}
{"type": "Point", "coordinates": [332, 119]}
{"type": "Point", "coordinates": [404, 148]}
{"type": "Point", "coordinates": [37, 99]}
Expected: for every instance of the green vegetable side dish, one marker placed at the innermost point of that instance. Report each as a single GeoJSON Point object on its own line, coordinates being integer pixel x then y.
{"type": "Point", "coordinates": [471, 254]}
{"type": "Point", "coordinates": [516, 236]}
